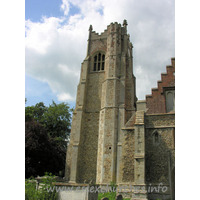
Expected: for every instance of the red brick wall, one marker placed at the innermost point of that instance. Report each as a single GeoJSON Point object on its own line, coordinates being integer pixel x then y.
{"type": "Point", "coordinates": [156, 101]}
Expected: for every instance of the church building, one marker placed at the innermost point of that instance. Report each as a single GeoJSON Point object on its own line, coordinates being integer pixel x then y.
{"type": "Point", "coordinates": [114, 137]}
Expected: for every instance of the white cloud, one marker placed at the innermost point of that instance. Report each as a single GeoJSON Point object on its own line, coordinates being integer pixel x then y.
{"type": "Point", "coordinates": [56, 47]}
{"type": "Point", "coordinates": [40, 35]}
{"type": "Point", "coordinates": [64, 97]}
{"type": "Point", "coordinates": [65, 7]}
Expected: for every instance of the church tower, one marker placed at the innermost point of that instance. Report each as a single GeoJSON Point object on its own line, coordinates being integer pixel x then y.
{"type": "Point", "coordinates": [106, 100]}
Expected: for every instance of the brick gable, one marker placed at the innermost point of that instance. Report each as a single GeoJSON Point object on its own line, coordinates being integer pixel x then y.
{"type": "Point", "coordinates": [156, 102]}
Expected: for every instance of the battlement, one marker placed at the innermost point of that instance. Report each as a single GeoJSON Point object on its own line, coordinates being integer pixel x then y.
{"type": "Point", "coordinates": [112, 28]}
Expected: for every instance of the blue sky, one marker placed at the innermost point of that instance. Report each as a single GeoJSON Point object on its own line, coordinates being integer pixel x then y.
{"type": "Point", "coordinates": [34, 9]}
{"type": "Point", "coordinates": [56, 33]}
{"type": "Point", "coordinates": [36, 90]}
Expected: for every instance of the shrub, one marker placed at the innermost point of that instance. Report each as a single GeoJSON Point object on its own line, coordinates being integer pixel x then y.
{"type": "Point", "coordinates": [41, 193]}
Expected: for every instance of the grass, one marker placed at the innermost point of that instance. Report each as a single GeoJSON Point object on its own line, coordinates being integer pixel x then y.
{"type": "Point", "coordinates": [41, 194]}
{"type": "Point", "coordinates": [109, 195]}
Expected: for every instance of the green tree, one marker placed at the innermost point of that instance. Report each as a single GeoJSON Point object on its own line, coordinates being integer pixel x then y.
{"type": "Point", "coordinates": [47, 133]}
{"type": "Point", "coordinates": [41, 151]}
{"type": "Point", "coordinates": [56, 118]}
{"type": "Point", "coordinates": [35, 112]}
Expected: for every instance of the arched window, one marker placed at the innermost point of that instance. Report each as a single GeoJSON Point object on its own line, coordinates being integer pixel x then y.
{"type": "Point", "coordinates": [99, 62]}
{"type": "Point", "coordinates": [170, 100]}
{"type": "Point", "coordinates": [156, 138]}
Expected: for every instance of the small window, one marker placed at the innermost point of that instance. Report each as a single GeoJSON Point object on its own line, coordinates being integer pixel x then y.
{"type": "Point", "coordinates": [156, 138]}
{"type": "Point", "coordinates": [170, 100]}
{"type": "Point", "coordinates": [99, 62]}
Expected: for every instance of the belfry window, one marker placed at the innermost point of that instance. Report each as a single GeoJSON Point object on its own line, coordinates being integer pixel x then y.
{"type": "Point", "coordinates": [99, 62]}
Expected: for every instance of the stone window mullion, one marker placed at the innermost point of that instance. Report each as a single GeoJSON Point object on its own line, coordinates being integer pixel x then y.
{"type": "Point", "coordinates": [99, 62]}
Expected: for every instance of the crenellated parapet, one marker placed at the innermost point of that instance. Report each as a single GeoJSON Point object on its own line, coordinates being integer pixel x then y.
{"type": "Point", "coordinates": [113, 27]}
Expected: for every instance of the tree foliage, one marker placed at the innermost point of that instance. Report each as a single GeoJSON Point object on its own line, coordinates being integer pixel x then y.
{"type": "Point", "coordinates": [47, 132]}
{"type": "Point", "coordinates": [56, 118]}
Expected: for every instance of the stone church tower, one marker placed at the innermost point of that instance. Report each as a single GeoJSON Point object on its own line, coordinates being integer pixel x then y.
{"type": "Point", "coordinates": [114, 137]}
{"type": "Point", "coordinates": [106, 100]}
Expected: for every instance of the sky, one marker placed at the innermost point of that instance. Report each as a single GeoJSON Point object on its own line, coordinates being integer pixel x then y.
{"type": "Point", "coordinates": [56, 33]}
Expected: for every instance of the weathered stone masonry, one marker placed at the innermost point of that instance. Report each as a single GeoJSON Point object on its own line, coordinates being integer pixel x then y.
{"type": "Point", "coordinates": [114, 137]}
{"type": "Point", "coordinates": [105, 101]}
